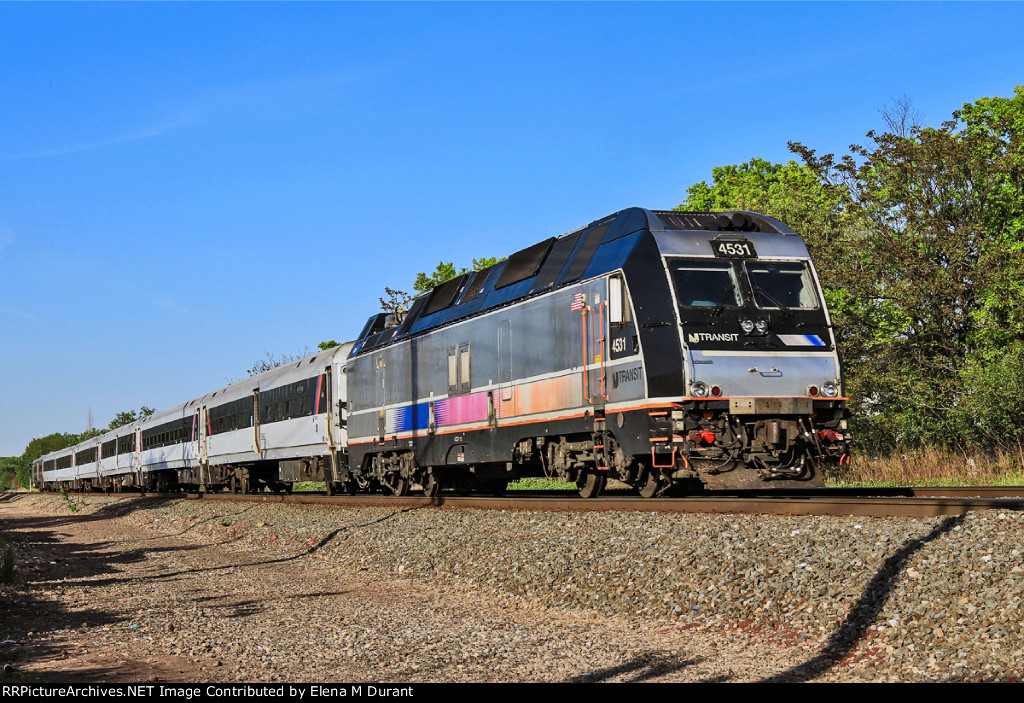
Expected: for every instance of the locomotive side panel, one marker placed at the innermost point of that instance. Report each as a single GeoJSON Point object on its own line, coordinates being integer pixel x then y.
{"type": "Point", "coordinates": [516, 365]}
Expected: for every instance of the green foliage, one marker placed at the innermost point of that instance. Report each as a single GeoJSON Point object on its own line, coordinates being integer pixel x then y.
{"type": "Point", "coordinates": [396, 302]}
{"type": "Point", "coordinates": [788, 192]}
{"type": "Point", "coordinates": [446, 271]}
{"type": "Point", "coordinates": [70, 504]}
{"type": "Point", "coordinates": [324, 346]}
{"type": "Point", "coordinates": [918, 238]}
{"type": "Point", "coordinates": [991, 406]}
{"type": "Point", "coordinates": [40, 446]}
{"type": "Point", "coordinates": [930, 260]}
{"type": "Point", "coordinates": [309, 487]}
{"type": "Point", "coordinates": [9, 466]}
{"type": "Point", "coordinates": [540, 484]}
{"type": "Point", "coordinates": [126, 418]}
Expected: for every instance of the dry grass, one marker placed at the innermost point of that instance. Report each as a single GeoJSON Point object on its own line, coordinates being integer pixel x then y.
{"type": "Point", "coordinates": [936, 467]}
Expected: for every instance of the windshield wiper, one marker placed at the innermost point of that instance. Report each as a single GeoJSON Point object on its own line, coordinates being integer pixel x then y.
{"type": "Point", "coordinates": [720, 305]}
{"type": "Point", "coordinates": [761, 291]}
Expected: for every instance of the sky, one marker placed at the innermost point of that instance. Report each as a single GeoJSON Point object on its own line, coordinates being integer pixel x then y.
{"type": "Point", "coordinates": [185, 187]}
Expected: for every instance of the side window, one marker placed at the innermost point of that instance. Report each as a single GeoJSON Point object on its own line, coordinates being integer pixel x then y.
{"type": "Point", "coordinates": [453, 371]}
{"type": "Point", "coordinates": [622, 331]}
{"type": "Point", "coordinates": [459, 369]}
{"type": "Point", "coordinates": [464, 384]}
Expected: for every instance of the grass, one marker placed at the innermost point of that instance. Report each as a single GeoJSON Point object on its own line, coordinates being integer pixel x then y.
{"type": "Point", "coordinates": [935, 467]}
{"type": "Point", "coordinates": [309, 487]}
{"type": "Point", "coordinates": [540, 484]}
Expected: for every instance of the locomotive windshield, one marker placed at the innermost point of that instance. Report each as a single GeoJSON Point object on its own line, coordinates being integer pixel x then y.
{"type": "Point", "coordinates": [706, 284]}
{"type": "Point", "coordinates": [782, 285]}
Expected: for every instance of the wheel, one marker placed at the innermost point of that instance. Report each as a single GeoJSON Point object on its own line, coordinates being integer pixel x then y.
{"type": "Point", "coordinates": [431, 487]}
{"type": "Point", "coordinates": [591, 484]}
{"type": "Point", "coordinates": [651, 484]}
{"type": "Point", "coordinates": [397, 484]}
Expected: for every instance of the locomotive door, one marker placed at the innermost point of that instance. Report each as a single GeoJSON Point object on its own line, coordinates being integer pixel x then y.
{"type": "Point", "coordinates": [595, 339]}
{"type": "Point", "coordinates": [380, 388]}
{"type": "Point", "coordinates": [329, 435]}
{"type": "Point", "coordinates": [505, 361]}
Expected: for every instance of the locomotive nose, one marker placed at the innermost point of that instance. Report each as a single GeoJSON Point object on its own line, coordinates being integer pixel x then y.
{"type": "Point", "coordinates": [740, 374]}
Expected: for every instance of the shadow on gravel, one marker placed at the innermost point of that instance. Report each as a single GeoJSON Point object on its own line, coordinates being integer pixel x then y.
{"type": "Point", "coordinates": [104, 512]}
{"type": "Point", "coordinates": [864, 612]}
{"type": "Point", "coordinates": [45, 564]}
{"type": "Point", "coordinates": [643, 668]}
{"type": "Point", "coordinates": [254, 607]}
{"type": "Point", "coordinates": [171, 575]}
{"type": "Point", "coordinates": [345, 528]}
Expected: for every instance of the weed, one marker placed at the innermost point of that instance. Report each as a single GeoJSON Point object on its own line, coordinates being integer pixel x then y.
{"type": "Point", "coordinates": [67, 500]}
{"type": "Point", "coordinates": [935, 467]}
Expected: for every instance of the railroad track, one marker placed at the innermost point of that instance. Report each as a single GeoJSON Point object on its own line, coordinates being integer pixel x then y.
{"type": "Point", "coordinates": [885, 502]}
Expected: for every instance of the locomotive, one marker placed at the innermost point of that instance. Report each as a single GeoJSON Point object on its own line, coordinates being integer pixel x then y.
{"type": "Point", "coordinates": [671, 351]}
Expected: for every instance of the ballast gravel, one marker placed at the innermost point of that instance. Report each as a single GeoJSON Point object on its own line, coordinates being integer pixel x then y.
{"type": "Point", "coordinates": [134, 589]}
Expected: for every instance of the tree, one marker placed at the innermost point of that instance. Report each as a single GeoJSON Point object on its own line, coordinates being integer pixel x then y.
{"type": "Point", "coordinates": [445, 271]}
{"type": "Point", "coordinates": [397, 302]}
{"type": "Point", "coordinates": [272, 362]}
{"type": "Point", "coordinates": [933, 224]}
{"type": "Point", "coordinates": [40, 446]}
{"type": "Point", "coordinates": [918, 239]}
{"type": "Point", "coordinates": [9, 469]}
{"type": "Point", "coordinates": [128, 417]}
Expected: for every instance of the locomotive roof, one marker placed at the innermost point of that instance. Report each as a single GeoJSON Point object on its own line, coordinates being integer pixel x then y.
{"type": "Point", "coordinates": [561, 261]}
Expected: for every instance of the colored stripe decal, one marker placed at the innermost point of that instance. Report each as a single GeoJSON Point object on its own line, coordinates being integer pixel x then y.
{"type": "Point", "coordinates": [801, 340]}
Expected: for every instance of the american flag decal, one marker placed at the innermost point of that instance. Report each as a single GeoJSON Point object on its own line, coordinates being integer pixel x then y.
{"type": "Point", "coordinates": [577, 302]}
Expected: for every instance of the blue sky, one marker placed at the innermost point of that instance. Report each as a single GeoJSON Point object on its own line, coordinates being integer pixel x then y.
{"type": "Point", "coordinates": [184, 187]}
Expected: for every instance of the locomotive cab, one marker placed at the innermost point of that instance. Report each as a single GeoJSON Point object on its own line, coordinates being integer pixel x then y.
{"type": "Point", "coordinates": [762, 396]}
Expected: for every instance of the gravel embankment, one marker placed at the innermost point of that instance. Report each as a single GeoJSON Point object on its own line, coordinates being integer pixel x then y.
{"type": "Point", "coordinates": [264, 592]}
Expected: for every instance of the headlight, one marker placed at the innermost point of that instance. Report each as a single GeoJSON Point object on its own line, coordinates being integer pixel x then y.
{"type": "Point", "coordinates": [747, 326]}
{"type": "Point", "coordinates": [761, 326]}
{"type": "Point", "coordinates": [829, 389]}
{"type": "Point", "coordinates": [700, 389]}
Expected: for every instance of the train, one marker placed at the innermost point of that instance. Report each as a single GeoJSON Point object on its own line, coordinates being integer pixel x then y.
{"type": "Point", "coordinates": [671, 351]}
